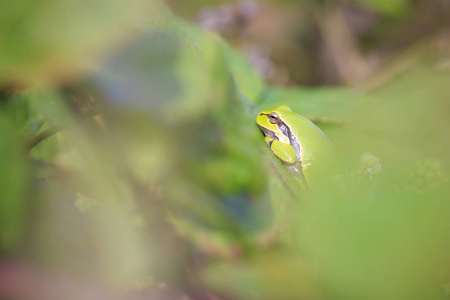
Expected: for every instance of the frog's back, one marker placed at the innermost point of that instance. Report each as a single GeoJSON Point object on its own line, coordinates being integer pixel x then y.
{"type": "Point", "coordinates": [315, 147]}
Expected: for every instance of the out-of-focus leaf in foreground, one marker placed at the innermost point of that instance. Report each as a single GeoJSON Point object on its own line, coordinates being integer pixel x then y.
{"type": "Point", "coordinates": [13, 186]}
{"type": "Point", "coordinates": [246, 79]}
{"type": "Point", "coordinates": [42, 40]}
{"type": "Point", "coordinates": [385, 236]}
{"type": "Point", "coordinates": [154, 154]}
{"type": "Point", "coordinates": [268, 275]}
{"type": "Point", "coordinates": [190, 135]}
{"type": "Point", "coordinates": [392, 8]}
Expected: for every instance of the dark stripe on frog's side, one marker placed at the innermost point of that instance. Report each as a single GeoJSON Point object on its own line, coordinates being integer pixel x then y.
{"type": "Point", "coordinates": [297, 168]}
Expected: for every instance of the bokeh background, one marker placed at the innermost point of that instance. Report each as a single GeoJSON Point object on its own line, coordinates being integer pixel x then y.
{"type": "Point", "coordinates": [317, 43]}
{"type": "Point", "coordinates": [131, 166]}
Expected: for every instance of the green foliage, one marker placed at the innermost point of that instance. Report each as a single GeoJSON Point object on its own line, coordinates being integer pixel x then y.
{"type": "Point", "coordinates": [37, 38]}
{"type": "Point", "coordinates": [13, 186]}
{"type": "Point", "coordinates": [393, 8]}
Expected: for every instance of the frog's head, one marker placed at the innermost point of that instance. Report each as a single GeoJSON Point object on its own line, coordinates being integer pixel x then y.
{"type": "Point", "coordinates": [279, 137]}
{"type": "Point", "coordinates": [271, 123]}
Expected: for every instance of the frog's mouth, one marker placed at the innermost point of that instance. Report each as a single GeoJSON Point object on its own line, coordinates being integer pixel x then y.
{"type": "Point", "coordinates": [268, 132]}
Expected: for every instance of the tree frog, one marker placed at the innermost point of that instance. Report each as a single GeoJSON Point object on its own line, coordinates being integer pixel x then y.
{"type": "Point", "coordinates": [297, 142]}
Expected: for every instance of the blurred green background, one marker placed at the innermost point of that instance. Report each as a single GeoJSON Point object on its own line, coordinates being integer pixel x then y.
{"type": "Point", "coordinates": [131, 166]}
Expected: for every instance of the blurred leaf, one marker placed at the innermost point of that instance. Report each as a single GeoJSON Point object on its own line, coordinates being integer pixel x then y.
{"type": "Point", "coordinates": [176, 123]}
{"type": "Point", "coordinates": [38, 112]}
{"type": "Point", "coordinates": [13, 186]}
{"type": "Point", "coordinates": [102, 240]}
{"type": "Point", "coordinates": [407, 114]}
{"type": "Point", "coordinates": [390, 7]}
{"type": "Point", "coordinates": [161, 75]}
{"type": "Point", "coordinates": [267, 275]}
{"type": "Point", "coordinates": [319, 103]}
{"type": "Point", "coordinates": [50, 38]}
{"type": "Point", "coordinates": [391, 230]}
{"type": "Point", "coordinates": [378, 235]}
{"type": "Point", "coordinates": [326, 107]}
{"type": "Point", "coordinates": [247, 80]}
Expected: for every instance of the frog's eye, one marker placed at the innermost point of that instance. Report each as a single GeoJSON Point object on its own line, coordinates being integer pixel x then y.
{"type": "Point", "coordinates": [274, 118]}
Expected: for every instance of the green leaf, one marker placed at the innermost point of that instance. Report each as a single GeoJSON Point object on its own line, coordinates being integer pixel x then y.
{"type": "Point", "coordinates": [13, 186]}
{"type": "Point", "coordinates": [390, 7]}
{"type": "Point", "coordinates": [51, 39]}
{"type": "Point", "coordinates": [34, 112]}
{"type": "Point", "coordinates": [327, 107]}
{"type": "Point", "coordinates": [246, 79]}
{"type": "Point", "coordinates": [266, 275]}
